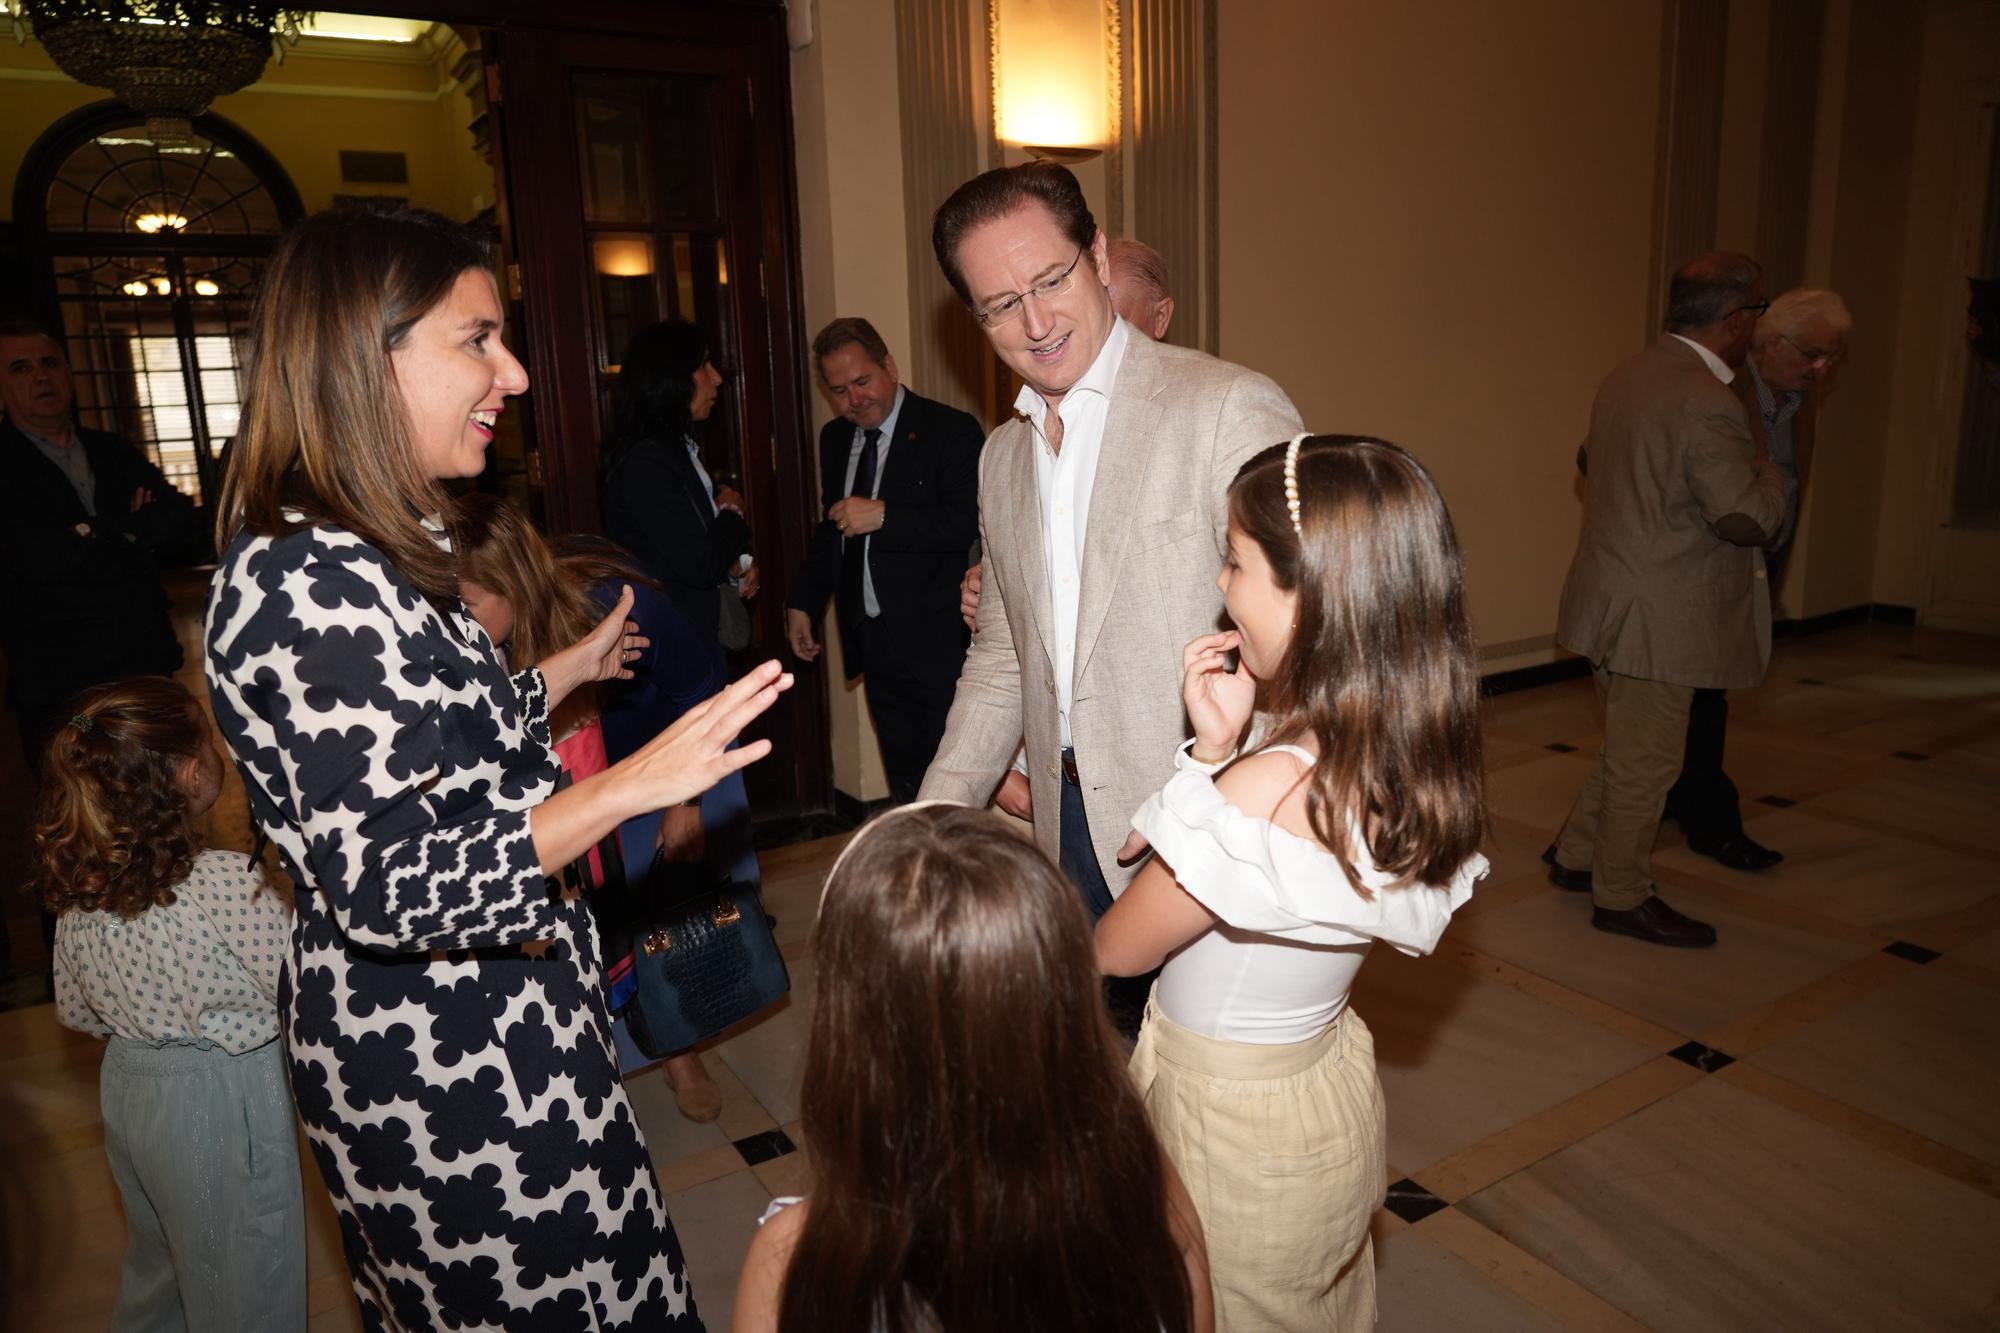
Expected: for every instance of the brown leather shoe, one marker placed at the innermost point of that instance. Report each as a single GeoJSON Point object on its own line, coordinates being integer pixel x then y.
{"type": "Point", "coordinates": [1560, 875]}
{"type": "Point", "coordinates": [1655, 923]}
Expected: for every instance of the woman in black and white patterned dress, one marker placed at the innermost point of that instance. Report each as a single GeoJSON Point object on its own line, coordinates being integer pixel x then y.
{"type": "Point", "coordinates": [444, 1020]}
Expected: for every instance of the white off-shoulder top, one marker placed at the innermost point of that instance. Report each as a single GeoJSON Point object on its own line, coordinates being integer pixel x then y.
{"type": "Point", "coordinates": [1293, 930]}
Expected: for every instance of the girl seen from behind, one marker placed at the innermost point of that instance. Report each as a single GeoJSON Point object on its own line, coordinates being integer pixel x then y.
{"type": "Point", "coordinates": [173, 953]}
{"type": "Point", "coordinates": [978, 1158]}
{"type": "Point", "coordinates": [1350, 810]}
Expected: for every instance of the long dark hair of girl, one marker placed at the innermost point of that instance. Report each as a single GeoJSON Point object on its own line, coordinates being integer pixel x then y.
{"type": "Point", "coordinates": [112, 826]}
{"type": "Point", "coordinates": [655, 389]}
{"type": "Point", "coordinates": [1381, 671]}
{"type": "Point", "coordinates": [979, 1160]}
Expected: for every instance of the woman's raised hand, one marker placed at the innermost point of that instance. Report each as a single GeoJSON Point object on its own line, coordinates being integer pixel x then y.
{"type": "Point", "coordinates": [606, 653]}
{"type": "Point", "coordinates": [693, 754]}
{"type": "Point", "coordinates": [1218, 700]}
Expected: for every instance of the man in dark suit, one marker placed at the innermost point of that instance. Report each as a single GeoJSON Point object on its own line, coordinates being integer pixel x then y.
{"type": "Point", "coordinates": [900, 478]}
{"type": "Point", "coordinates": [82, 518]}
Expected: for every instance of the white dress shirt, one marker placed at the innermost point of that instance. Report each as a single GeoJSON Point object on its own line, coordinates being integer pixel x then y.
{"type": "Point", "coordinates": [1716, 364]}
{"type": "Point", "coordinates": [1065, 480]}
{"type": "Point", "coordinates": [860, 441]}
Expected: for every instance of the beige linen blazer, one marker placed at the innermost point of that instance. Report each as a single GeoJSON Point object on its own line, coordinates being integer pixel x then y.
{"type": "Point", "coordinates": [1178, 427]}
{"type": "Point", "coordinates": [1653, 592]}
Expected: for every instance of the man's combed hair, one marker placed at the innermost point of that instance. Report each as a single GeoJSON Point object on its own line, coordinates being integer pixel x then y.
{"type": "Point", "coordinates": [1709, 289]}
{"type": "Point", "coordinates": [1381, 672]}
{"type": "Point", "coordinates": [995, 194]}
{"type": "Point", "coordinates": [113, 831]}
{"type": "Point", "coordinates": [323, 437]}
{"type": "Point", "coordinates": [850, 329]}
{"type": "Point", "coordinates": [980, 1161]}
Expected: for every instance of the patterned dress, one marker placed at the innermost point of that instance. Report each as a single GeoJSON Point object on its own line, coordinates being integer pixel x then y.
{"type": "Point", "coordinates": [458, 1090]}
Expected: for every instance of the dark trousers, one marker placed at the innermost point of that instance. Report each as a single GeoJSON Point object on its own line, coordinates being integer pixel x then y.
{"type": "Point", "coordinates": [1125, 996]}
{"type": "Point", "coordinates": [1703, 799]}
{"type": "Point", "coordinates": [1079, 858]}
{"type": "Point", "coordinates": [909, 710]}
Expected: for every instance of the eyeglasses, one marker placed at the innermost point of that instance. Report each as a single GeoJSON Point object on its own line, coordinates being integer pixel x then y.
{"type": "Point", "coordinates": [1755, 308]}
{"type": "Point", "coordinates": [1813, 355]}
{"type": "Point", "coordinates": [1009, 307]}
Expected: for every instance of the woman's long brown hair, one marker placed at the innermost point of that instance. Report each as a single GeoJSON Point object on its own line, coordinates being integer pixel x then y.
{"type": "Point", "coordinates": [1381, 671]}
{"type": "Point", "coordinates": [323, 437]}
{"type": "Point", "coordinates": [500, 549]}
{"type": "Point", "coordinates": [112, 827]}
{"type": "Point", "coordinates": [979, 1160]}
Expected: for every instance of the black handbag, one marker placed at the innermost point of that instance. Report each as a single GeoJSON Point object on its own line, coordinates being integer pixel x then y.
{"type": "Point", "coordinates": [706, 962]}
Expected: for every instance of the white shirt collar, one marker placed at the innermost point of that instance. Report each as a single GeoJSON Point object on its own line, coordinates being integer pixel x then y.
{"type": "Point", "coordinates": [1716, 365]}
{"type": "Point", "coordinates": [1098, 379]}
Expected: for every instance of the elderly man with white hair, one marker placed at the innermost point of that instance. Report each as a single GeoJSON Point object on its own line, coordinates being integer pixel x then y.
{"type": "Point", "coordinates": [1796, 345]}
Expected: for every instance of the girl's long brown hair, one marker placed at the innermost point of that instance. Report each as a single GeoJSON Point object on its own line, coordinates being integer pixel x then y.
{"type": "Point", "coordinates": [500, 549]}
{"type": "Point", "coordinates": [979, 1159]}
{"type": "Point", "coordinates": [1381, 671]}
{"type": "Point", "coordinates": [112, 828]}
{"type": "Point", "coordinates": [323, 431]}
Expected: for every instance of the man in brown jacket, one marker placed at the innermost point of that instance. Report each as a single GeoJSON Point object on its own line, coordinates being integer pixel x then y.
{"type": "Point", "coordinates": [1666, 592]}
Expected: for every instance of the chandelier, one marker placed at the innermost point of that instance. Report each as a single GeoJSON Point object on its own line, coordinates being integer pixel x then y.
{"type": "Point", "coordinates": [166, 58]}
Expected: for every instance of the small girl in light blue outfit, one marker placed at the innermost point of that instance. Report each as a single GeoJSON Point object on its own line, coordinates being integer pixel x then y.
{"type": "Point", "coordinates": [173, 953]}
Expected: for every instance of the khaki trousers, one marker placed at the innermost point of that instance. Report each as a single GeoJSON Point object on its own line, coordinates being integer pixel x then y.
{"type": "Point", "coordinates": [1282, 1149]}
{"type": "Point", "coordinates": [1617, 814]}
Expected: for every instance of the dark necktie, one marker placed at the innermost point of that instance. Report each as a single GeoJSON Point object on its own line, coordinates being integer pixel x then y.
{"type": "Point", "coordinates": [853, 550]}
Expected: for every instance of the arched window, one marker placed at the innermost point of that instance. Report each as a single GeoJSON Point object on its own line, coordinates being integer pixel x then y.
{"type": "Point", "coordinates": [149, 254]}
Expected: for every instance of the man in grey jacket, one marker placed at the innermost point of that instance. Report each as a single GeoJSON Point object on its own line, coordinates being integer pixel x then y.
{"type": "Point", "coordinates": [1666, 593]}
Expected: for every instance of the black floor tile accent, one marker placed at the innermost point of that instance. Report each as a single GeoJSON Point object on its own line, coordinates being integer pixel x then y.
{"type": "Point", "coordinates": [1777, 802]}
{"type": "Point", "coordinates": [763, 1147]}
{"type": "Point", "coordinates": [1412, 1202]}
{"type": "Point", "coordinates": [1913, 756]}
{"type": "Point", "coordinates": [1911, 953]}
{"type": "Point", "coordinates": [1705, 1058]}
{"type": "Point", "coordinates": [1560, 748]}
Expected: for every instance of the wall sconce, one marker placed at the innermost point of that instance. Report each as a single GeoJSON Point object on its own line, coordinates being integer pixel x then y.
{"type": "Point", "coordinates": [1050, 100]}
{"type": "Point", "coordinates": [623, 256]}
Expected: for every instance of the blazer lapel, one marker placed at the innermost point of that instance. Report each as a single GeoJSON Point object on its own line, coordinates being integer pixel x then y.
{"type": "Point", "coordinates": [1130, 425]}
{"type": "Point", "coordinates": [1019, 509]}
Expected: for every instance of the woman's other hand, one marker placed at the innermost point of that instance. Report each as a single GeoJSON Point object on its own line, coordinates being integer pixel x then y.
{"type": "Point", "coordinates": [1218, 700]}
{"type": "Point", "coordinates": [693, 754]}
{"type": "Point", "coordinates": [606, 653]}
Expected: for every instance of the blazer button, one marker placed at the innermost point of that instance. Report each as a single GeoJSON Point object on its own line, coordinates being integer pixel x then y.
{"type": "Point", "coordinates": [1051, 684]}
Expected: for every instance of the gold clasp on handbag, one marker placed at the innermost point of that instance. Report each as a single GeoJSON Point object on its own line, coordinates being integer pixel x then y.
{"type": "Point", "coordinates": [658, 942]}
{"type": "Point", "coordinates": [725, 912]}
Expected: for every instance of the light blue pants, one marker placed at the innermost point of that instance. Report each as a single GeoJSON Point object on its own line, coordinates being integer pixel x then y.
{"type": "Point", "coordinates": [205, 1151]}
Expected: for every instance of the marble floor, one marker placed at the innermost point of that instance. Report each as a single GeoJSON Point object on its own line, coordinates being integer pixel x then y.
{"type": "Point", "coordinates": [1794, 1130]}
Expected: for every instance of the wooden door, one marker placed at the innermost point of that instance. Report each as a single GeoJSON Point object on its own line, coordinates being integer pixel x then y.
{"type": "Point", "coordinates": [644, 177]}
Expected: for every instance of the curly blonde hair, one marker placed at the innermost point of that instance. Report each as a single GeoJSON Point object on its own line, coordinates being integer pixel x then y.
{"type": "Point", "coordinates": [113, 827]}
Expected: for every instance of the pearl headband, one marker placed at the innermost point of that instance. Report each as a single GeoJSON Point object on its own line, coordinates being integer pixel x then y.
{"type": "Point", "coordinates": [869, 827]}
{"type": "Point", "coordinates": [1292, 480]}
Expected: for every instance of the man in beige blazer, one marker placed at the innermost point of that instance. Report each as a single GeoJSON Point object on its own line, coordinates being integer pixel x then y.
{"type": "Point", "coordinates": [1666, 592]}
{"type": "Point", "coordinates": [1102, 519]}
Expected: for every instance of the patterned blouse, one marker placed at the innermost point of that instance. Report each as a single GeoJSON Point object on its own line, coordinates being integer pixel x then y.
{"type": "Point", "coordinates": [201, 970]}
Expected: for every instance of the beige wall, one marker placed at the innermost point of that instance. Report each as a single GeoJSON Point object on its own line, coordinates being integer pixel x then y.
{"type": "Point", "coordinates": [1436, 221]}
{"type": "Point", "coordinates": [851, 251]}
{"type": "Point", "coordinates": [304, 112]}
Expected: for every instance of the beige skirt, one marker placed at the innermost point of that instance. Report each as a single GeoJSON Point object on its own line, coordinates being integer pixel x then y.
{"type": "Point", "coordinates": [1282, 1149]}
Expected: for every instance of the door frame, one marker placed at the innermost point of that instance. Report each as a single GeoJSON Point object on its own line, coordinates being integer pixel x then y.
{"type": "Point", "coordinates": [1978, 125]}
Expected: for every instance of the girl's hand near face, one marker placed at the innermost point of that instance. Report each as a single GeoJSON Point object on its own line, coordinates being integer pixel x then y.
{"type": "Point", "coordinates": [1218, 701]}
